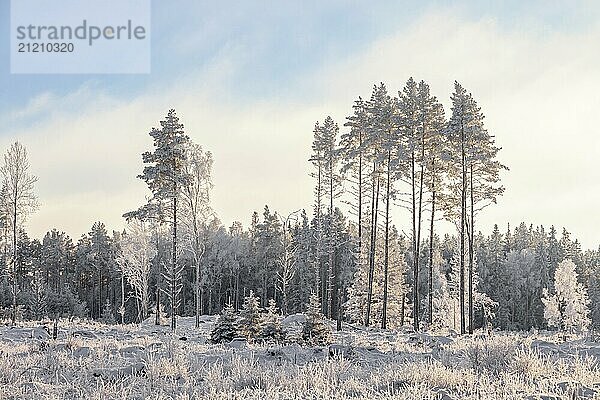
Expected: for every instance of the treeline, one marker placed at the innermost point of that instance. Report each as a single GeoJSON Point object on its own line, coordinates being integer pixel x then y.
{"type": "Point", "coordinates": [58, 277]}
{"type": "Point", "coordinates": [175, 258]}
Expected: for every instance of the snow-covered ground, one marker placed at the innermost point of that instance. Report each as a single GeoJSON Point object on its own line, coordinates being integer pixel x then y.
{"type": "Point", "coordinates": [95, 361]}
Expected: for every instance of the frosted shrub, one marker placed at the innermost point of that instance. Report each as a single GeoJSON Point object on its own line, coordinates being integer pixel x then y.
{"type": "Point", "coordinates": [530, 365]}
{"type": "Point", "coordinates": [491, 355]}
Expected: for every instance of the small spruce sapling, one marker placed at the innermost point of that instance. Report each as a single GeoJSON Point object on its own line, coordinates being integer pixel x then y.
{"type": "Point", "coordinates": [226, 326]}
{"type": "Point", "coordinates": [107, 316]}
{"type": "Point", "coordinates": [271, 325]}
{"type": "Point", "coordinates": [250, 319]}
{"type": "Point", "coordinates": [315, 331]}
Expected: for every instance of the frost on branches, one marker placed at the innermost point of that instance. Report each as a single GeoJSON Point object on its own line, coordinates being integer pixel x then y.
{"type": "Point", "coordinates": [250, 318]}
{"type": "Point", "coordinates": [567, 308]}
{"type": "Point", "coordinates": [226, 327]}
{"type": "Point", "coordinates": [315, 331]}
{"type": "Point", "coordinates": [270, 324]}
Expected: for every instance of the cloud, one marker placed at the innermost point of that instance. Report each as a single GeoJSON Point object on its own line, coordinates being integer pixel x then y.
{"type": "Point", "coordinates": [539, 94]}
{"type": "Point", "coordinates": [538, 91]}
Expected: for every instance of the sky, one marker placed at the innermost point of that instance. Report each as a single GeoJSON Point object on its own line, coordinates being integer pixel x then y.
{"type": "Point", "coordinates": [249, 82]}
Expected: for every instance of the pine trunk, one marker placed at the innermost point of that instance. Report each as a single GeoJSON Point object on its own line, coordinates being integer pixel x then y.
{"type": "Point", "coordinates": [386, 244]}
{"type": "Point", "coordinates": [462, 233]}
{"type": "Point", "coordinates": [415, 247]}
{"type": "Point", "coordinates": [158, 277]}
{"type": "Point", "coordinates": [318, 282]}
{"type": "Point", "coordinates": [331, 272]}
{"type": "Point", "coordinates": [197, 293]}
{"type": "Point", "coordinates": [471, 241]}
{"type": "Point", "coordinates": [431, 245]}
{"type": "Point", "coordinates": [374, 206]}
{"type": "Point", "coordinates": [174, 265]}
{"type": "Point", "coordinates": [420, 207]}
{"type": "Point", "coordinates": [122, 310]}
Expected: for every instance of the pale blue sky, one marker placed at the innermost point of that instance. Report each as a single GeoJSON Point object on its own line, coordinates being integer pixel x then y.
{"type": "Point", "coordinates": [250, 80]}
{"type": "Point", "coordinates": [279, 40]}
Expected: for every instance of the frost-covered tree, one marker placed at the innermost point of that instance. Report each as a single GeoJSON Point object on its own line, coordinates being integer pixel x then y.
{"type": "Point", "coordinates": [196, 210]}
{"type": "Point", "coordinates": [137, 252]}
{"type": "Point", "coordinates": [226, 327]}
{"type": "Point", "coordinates": [100, 256]}
{"type": "Point", "coordinates": [384, 123]}
{"type": "Point", "coordinates": [566, 308]}
{"type": "Point", "coordinates": [315, 330]}
{"type": "Point", "coordinates": [304, 279]}
{"type": "Point", "coordinates": [397, 308]}
{"type": "Point", "coordinates": [237, 258]}
{"type": "Point", "coordinates": [377, 108]}
{"type": "Point", "coordinates": [442, 298]}
{"type": "Point", "coordinates": [287, 259]}
{"type": "Point", "coordinates": [166, 176]}
{"type": "Point", "coordinates": [432, 123]}
{"type": "Point", "coordinates": [409, 169]}
{"type": "Point", "coordinates": [267, 248]}
{"type": "Point", "coordinates": [325, 158]}
{"type": "Point", "coordinates": [17, 202]}
{"type": "Point", "coordinates": [270, 323]}
{"type": "Point", "coordinates": [250, 318]}
{"type": "Point", "coordinates": [472, 184]}
{"type": "Point", "coordinates": [107, 316]}
{"type": "Point", "coordinates": [353, 168]}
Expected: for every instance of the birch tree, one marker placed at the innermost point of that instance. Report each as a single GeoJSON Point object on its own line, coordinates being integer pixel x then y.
{"type": "Point", "coordinates": [18, 202]}
{"type": "Point", "coordinates": [135, 260]}
{"type": "Point", "coordinates": [566, 308]}
{"type": "Point", "coordinates": [197, 210]}
{"type": "Point", "coordinates": [287, 257]}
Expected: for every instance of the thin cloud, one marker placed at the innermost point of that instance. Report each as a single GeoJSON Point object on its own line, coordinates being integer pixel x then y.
{"type": "Point", "coordinates": [538, 93]}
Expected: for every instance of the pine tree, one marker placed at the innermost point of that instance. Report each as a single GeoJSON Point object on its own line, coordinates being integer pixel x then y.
{"type": "Point", "coordinates": [304, 280]}
{"type": "Point", "coordinates": [432, 160]}
{"type": "Point", "coordinates": [473, 181]}
{"type": "Point", "coordinates": [226, 327]}
{"type": "Point", "coordinates": [165, 175]}
{"type": "Point", "coordinates": [384, 121]}
{"type": "Point", "coordinates": [353, 168]}
{"type": "Point", "coordinates": [319, 162]}
{"type": "Point", "coordinates": [374, 152]}
{"type": "Point", "coordinates": [409, 169]}
{"type": "Point", "coordinates": [315, 332]}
